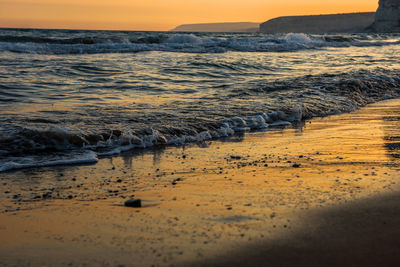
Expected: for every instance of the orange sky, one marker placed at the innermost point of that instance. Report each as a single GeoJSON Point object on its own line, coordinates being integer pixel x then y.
{"type": "Point", "coordinates": [160, 14]}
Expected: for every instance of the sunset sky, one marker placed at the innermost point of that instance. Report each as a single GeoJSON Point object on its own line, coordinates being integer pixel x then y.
{"type": "Point", "coordinates": [160, 14]}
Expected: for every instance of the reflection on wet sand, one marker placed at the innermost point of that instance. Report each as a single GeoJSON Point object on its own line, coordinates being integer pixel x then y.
{"type": "Point", "coordinates": [392, 132]}
{"type": "Point", "coordinates": [260, 194]}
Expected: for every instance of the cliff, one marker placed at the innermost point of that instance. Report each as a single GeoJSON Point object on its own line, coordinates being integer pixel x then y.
{"type": "Point", "coordinates": [387, 16]}
{"type": "Point", "coordinates": [219, 27]}
{"type": "Point", "coordinates": [319, 24]}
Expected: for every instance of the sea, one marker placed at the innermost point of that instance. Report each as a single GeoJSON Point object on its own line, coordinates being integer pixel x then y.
{"type": "Point", "coordinates": [72, 96]}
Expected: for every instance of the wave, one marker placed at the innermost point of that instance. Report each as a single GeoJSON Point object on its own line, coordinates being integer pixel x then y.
{"type": "Point", "coordinates": [30, 161]}
{"type": "Point", "coordinates": [188, 43]}
{"type": "Point", "coordinates": [315, 96]}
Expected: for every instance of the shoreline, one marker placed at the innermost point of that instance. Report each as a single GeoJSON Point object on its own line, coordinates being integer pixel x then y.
{"type": "Point", "coordinates": [202, 202]}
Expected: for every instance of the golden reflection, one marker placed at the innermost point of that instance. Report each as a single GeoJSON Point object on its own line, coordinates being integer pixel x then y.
{"type": "Point", "coordinates": [200, 201]}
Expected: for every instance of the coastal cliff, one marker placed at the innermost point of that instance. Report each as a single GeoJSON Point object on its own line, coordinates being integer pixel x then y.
{"type": "Point", "coordinates": [387, 16]}
{"type": "Point", "coordinates": [319, 24]}
{"type": "Point", "coordinates": [218, 27]}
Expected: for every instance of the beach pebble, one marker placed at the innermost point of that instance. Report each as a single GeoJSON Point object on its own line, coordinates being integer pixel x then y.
{"type": "Point", "coordinates": [135, 203]}
{"type": "Point", "coordinates": [174, 182]}
{"type": "Point", "coordinates": [47, 195]}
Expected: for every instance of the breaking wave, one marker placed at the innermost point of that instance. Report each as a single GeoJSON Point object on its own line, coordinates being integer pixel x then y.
{"type": "Point", "coordinates": [311, 96]}
{"type": "Point", "coordinates": [187, 43]}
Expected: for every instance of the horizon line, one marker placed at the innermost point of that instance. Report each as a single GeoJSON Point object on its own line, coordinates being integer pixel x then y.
{"type": "Point", "coordinates": [201, 23]}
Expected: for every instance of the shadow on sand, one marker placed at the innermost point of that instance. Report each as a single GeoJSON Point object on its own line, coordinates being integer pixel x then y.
{"type": "Point", "coordinates": [363, 233]}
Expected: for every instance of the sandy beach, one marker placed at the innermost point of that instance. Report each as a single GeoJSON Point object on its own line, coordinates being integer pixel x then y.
{"type": "Point", "coordinates": [323, 193]}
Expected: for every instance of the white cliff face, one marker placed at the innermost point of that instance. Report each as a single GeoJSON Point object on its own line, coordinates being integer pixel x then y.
{"type": "Point", "coordinates": [387, 17]}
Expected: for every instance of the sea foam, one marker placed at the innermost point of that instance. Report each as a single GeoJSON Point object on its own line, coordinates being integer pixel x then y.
{"type": "Point", "coordinates": [187, 43]}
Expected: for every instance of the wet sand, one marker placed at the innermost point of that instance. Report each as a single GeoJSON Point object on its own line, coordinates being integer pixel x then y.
{"type": "Point", "coordinates": [323, 193]}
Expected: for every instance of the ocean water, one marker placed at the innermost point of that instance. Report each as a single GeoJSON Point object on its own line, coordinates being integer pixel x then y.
{"type": "Point", "coordinates": [73, 96]}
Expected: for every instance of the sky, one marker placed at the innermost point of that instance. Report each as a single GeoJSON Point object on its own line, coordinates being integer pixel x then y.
{"type": "Point", "coordinates": [160, 14]}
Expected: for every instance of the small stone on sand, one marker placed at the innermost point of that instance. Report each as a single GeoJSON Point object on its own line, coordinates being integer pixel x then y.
{"type": "Point", "coordinates": [135, 203]}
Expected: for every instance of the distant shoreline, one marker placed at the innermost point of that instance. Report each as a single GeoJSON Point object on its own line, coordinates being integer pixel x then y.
{"type": "Point", "coordinates": [283, 24]}
{"type": "Point", "coordinates": [320, 24]}
{"type": "Point", "coordinates": [218, 27]}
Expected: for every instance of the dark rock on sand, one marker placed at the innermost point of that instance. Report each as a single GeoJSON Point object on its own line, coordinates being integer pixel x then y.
{"type": "Point", "coordinates": [174, 182]}
{"type": "Point", "coordinates": [47, 195]}
{"type": "Point", "coordinates": [135, 203]}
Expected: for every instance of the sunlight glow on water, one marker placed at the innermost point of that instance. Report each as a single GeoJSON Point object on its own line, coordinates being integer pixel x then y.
{"type": "Point", "coordinates": [141, 89]}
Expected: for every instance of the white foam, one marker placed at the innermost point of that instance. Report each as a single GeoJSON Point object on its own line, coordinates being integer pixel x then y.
{"type": "Point", "coordinates": [87, 157]}
{"type": "Point", "coordinates": [118, 150]}
{"type": "Point", "coordinates": [190, 43]}
{"type": "Point", "coordinates": [300, 38]}
{"type": "Point", "coordinates": [280, 124]}
{"type": "Point", "coordinates": [228, 128]}
{"type": "Point", "coordinates": [184, 39]}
